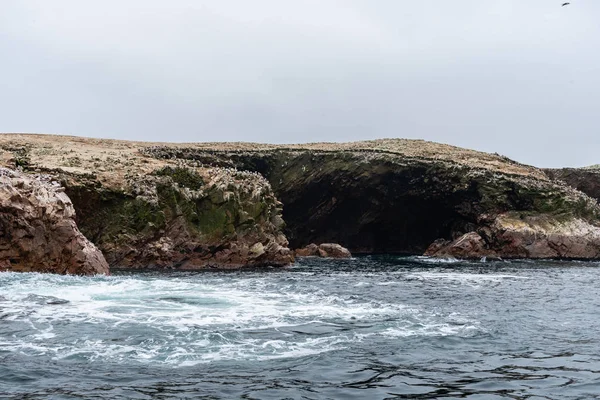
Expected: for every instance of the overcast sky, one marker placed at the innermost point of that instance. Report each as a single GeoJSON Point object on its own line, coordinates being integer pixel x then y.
{"type": "Point", "coordinates": [517, 77]}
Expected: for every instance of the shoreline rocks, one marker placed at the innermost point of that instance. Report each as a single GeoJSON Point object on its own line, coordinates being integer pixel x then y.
{"type": "Point", "coordinates": [324, 250]}
{"type": "Point", "coordinates": [38, 231]}
{"type": "Point", "coordinates": [533, 237]}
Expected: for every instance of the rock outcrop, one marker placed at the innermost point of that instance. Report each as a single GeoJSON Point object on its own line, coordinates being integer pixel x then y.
{"type": "Point", "coordinates": [515, 236]}
{"type": "Point", "coordinates": [469, 246]}
{"type": "Point", "coordinates": [148, 213]}
{"type": "Point", "coordinates": [586, 180]}
{"type": "Point", "coordinates": [181, 217]}
{"type": "Point", "coordinates": [38, 231]}
{"type": "Point", "coordinates": [324, 250]}
{"type": "Point", "coordinates": [400, 196]}
{"type": "Point", "coordinates": [220, 205]}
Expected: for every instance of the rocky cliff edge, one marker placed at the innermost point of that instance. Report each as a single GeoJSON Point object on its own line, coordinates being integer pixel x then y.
{"type": "Point", "coordinates": [37, 229]}
{"type": "Point", "coordinates": [224, 205]}
{"type": "Point", "coordinates": [145, 213]}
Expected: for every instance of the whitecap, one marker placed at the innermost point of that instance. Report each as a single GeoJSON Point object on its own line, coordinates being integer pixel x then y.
{"type": "Point", "coordinates": [438, 260]}
{"type": "Point", "coordinates": [464, 278]}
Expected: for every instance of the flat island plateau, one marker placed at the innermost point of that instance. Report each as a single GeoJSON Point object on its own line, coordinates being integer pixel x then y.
{"type": "Point", "coordinates": [82, 206]}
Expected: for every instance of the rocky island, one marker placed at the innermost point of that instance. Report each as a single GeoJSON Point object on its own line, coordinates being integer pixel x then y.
{"type": "Point", "coordinates": [229, 205]}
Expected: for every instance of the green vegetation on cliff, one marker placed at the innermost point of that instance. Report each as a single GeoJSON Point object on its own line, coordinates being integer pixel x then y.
{"type": "Point", "coordinates": [220, 204]}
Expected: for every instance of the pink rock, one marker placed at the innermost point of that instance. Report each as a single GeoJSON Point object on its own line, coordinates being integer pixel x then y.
{"type": "Point", "coordinates": [38, 232]}
{"type": "Point", "coordinates": [325, 250]}
{"type": "Point", "coordinates": [513, 236]}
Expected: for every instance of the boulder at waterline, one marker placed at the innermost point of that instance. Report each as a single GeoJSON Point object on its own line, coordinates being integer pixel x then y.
{"type": "Point", "coordinates": [324, 250]}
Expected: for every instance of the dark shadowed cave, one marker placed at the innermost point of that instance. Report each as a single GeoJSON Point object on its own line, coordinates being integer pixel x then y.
{"type": "Point", "coordinates": [368, 204]}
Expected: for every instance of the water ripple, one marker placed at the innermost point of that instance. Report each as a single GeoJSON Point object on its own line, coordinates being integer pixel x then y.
{"type": "Point", "coordinates": [370, 327]}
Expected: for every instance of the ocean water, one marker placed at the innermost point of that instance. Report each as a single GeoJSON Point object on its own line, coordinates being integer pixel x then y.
{"type": "Point", "coordinates": [368, 328]}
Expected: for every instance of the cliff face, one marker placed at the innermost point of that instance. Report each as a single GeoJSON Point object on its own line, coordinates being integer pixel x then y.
{"type": "Point", "coordinates": [586, 180]}
{"type": "Point", "coordinates": [153, 213]}
{"type": "Point", "coordinates": [202, 205]}
{"type": "Point", "coordinates": [37, 230]}
{"type": "Point", "coordinates": [402, 196]}
{"type": "Point", "coordinates": [177, 217]}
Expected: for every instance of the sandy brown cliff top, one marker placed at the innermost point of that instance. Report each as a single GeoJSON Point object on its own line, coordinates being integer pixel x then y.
{"type": "Point", "coordinates": [109, 159]}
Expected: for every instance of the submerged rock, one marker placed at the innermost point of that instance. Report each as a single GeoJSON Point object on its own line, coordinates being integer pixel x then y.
{"type": "Point", "coordinates": [324, 250]}
{"type": "Point", "coordinates": [50, 300]}
{"type": "Point", "coordinates": [38, 231]}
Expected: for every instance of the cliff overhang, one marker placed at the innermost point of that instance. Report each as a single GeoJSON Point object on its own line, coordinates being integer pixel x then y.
{"type": "Point", "coordinates": [231, 205]}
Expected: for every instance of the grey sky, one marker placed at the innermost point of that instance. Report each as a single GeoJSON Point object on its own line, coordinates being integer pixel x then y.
{"type": "Point", "coordinates": [517, 77]}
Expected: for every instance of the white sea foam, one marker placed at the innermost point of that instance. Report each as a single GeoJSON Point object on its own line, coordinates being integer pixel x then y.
{"type": "Point", "coordinates": [463, 278]}
{"type": "Point", "coordinates": [185, 321]}
{"type": "Point", "coordinates": [438, 260]}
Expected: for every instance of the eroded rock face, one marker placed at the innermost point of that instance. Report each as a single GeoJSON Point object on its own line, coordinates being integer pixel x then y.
{"type": "Point", "coordinates": [386, 196]}
{"type": "Point", "coordinates": [392, 200]}
{"type": "Point", "coordinates": [38, 231]}
{"type": "Point", "coordinates": [586, 180]}
{"type": "Point", "coordinates": [514, 236]}
{"type": "Point", "coordinates": [183, 218]}
{"type": "Point", "coordinates": [324, 250]}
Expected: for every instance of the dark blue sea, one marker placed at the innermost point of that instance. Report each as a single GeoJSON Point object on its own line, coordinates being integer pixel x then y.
{"type": "Point", "coordinates": [378, 327]}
